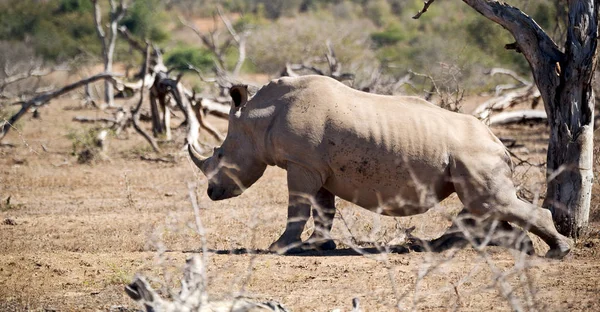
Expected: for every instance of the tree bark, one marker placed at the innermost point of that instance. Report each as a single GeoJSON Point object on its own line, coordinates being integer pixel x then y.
{"type": "Point", "coordinates": [571, 119]}
{"type": "Point", "coordinates": [565, 83]}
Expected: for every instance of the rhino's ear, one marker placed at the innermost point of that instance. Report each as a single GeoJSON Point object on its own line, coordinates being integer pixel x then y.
{"type": "Point", "coordinates": [239, 95]}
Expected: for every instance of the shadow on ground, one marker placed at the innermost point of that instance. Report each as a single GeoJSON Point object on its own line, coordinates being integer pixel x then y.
{"type": "Point", "coordinates": [445, 242]}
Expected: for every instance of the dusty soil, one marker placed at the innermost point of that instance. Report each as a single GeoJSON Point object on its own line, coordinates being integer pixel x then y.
{"type": "Point", "coordinates": [73, 235]}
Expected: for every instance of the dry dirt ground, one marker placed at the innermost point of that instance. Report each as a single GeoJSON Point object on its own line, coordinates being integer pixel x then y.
{"type": "Point", "coordinates": [73, 235]}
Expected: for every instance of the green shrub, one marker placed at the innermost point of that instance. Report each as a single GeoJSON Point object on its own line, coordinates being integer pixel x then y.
{"type": "Point", "coordinates": [145, 19]}
{"type": "Point", "coordinates": [58, 30]}
{"type": "Point", "coordinates": [85, 145]}
{"type": "Point", "coordinates": [387, 37]}
{"type": "Point", "coordinates": [180, 58]}
{"type": "Point", "coordinates": [81, 6]}
{"type": "Point", "coordinates": [20, 18]}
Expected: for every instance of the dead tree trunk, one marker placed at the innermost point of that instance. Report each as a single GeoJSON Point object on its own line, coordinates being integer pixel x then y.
{"type": "Point", "coordinates": [571, 119]}
{"type": "Point", "coordinates": [165, 90]}
{"type": "Point", "coordinates": [565, 83]}
{"type": "Point", "coordinates": [117, 12]}
{"type": "Point", "coordinates": [135, 112]}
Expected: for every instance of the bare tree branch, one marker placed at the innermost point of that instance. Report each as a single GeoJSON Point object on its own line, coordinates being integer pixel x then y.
{"type": "Point", "coordinates": [34, 72]}
{"type": "Point", "coordinates": [510, 73]}
{"type": "Point", "coordinates": [46, 97]}
{"type": "Point", "coordinates": [239, 39]}
{"type": "Point", "coordinates": [333, 63]}
{"type": "Point", "coordinates": [202, 120]}
{"type": "Point", "coordinates": [219, 48]}
{"type": "Point", "coordinates": [538, 48]}
{"type": "Point", "coordinates": [132, 41]}
{"type": "Point", "coordinates": [227, 23]}
{"type": "Point", "coordinates": [84, 119]}
{"type": "Point", "coordinates": [425, 8]}
{"type": "Point", "coordinates": [210, 41]}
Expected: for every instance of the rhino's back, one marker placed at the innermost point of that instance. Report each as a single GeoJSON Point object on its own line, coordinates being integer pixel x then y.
{"type": "Point", "coordinates": [321, 110]}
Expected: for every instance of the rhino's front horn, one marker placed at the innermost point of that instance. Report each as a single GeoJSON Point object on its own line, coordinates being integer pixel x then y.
{"type": "Point", "coordinates": [196, 157]}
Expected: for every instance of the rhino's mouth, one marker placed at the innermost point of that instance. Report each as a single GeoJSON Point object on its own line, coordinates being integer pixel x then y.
{"type": "Point", "coordinates": [218, 193]}
{"type": "Point", "coordinates": [215, 193]}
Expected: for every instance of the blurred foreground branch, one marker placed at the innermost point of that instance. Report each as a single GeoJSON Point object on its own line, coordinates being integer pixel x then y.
{"type": "Point", "coordinates": [192, 296]}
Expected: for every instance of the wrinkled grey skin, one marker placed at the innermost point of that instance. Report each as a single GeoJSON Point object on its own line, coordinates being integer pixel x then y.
{"type": "Point", "coordinates": [397, 156]}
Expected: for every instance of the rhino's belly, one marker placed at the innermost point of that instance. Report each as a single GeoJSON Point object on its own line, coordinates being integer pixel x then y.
{"type": "Point", "coordinates": [392, 191]}
{"type": "Point", "coordinates": [399, 202]}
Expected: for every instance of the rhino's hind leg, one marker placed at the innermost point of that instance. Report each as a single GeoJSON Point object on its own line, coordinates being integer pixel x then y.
{"type": "Point", "coordinates": [323, 211]}
{"type": "Point", "coordinates": [491, 191]}
{"type": "Point", "coordinates": [539, 222]}
{"type": "Point", "coordinates": [503, 234]}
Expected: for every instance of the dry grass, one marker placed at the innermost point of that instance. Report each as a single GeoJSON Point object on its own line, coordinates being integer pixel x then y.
{"type": "Point", "coordinates": [83, 231]}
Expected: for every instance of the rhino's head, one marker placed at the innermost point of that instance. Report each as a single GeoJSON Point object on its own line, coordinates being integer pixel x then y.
{"type": "Point", "coordinates": [235, 165]}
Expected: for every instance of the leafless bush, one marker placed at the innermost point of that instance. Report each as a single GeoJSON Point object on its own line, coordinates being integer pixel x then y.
{"type": "Point", "coordinates": [16, 57]}
{"type": "Point", "coordinates": [20, 71]}
{"type": "Point", "coordinates": [272, 46]}
{"type": "Point", "coordinates": [192, 295]}
{"type": "Point", "coordinates": [445, 90]}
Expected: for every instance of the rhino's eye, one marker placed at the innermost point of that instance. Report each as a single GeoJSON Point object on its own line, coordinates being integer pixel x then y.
{"type": "Point", "coordinates": [218, 152]}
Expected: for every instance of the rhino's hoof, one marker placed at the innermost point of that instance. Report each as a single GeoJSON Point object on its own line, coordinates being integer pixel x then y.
{"type": "Point", "coordinates": [322, 246]}
{"type": "Point", "coordinates": [560, 250]}
{"type": "Point", "coordinates": [556, 253]}
{"type": "Point", "coordinates": [294, 250]}
{"type": "Point", "coordinates": [286, 249]}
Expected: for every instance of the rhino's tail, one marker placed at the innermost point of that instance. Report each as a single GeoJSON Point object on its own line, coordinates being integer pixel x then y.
{"type": "Point", "coordinates": [507, 154]}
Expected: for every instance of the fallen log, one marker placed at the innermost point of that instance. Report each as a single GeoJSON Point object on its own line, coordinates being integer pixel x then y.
{"type": "Point", "coordinates": [528, 93]}
{"type": "Point", "coordinates": [215, 108]}
{"type": "Point", "coordinates": [520, 116]}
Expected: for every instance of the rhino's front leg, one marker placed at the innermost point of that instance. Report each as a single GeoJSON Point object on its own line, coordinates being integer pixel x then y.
{"type": "Point", "coordinates": [303, 185]}
{"type": "Point", "coordinates": [289, 241]}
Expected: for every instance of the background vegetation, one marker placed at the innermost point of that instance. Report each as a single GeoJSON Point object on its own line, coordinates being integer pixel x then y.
{"type": "Point", "coordinates": [366, 35]}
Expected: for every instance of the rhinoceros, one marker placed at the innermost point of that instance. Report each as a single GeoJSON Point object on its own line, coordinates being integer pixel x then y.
{"type": "Point", "coordinates": [395, 155]}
